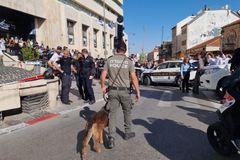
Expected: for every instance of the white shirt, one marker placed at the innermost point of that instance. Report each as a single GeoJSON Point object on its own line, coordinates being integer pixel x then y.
{"type": "Point", "coordinates": [211, 61]}
{"type": "Point", "coordinates": [55, 57]}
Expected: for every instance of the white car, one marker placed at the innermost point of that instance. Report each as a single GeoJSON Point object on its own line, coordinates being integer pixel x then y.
{"type": "Point", "coordinates": [214, 76]}
{"type": "Point", "coordinates": [166, 72]}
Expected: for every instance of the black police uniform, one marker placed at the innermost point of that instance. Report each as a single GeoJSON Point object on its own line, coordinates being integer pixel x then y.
{"type": "Point", "coordinates": [79, 80]}
{"type": "Point", "coordinates": [87, 69]}
{"type": "Point", "coordinates": [66, 79]}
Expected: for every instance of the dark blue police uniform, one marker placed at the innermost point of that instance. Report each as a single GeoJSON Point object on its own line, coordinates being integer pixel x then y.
{"type": "Point", "coordinates": [87, 69]}
{"type": "Point", "coordinates": [66, 79]}
{"type": "Point", "coordinates": [79, 80]}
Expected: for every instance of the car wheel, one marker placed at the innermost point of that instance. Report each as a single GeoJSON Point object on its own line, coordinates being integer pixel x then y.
{"type": "Point", "coordinates": [219, 139]}
{"type": "Point", "coordinates": [146, 81]}
{"type": "Point", "coordinates": [178, 82]}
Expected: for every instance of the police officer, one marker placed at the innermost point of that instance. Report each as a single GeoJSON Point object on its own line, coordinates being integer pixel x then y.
{"type": "Point", "coordinates": [120, 70]}
{"type": "Point", "coordinates": [78, 76]}
{"type": "Point", "coordinates": [87, 72]}
{"type": "Point", "coordinates": [65, 68]}
{"type": "Point", "coordinates": [185, 74]}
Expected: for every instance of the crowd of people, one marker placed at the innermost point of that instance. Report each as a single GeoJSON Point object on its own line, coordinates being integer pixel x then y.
{"type": "Point", "coordinates": [80, 64]}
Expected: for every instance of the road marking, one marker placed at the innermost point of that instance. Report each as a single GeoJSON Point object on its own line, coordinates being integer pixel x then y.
{"type": "Point", "coordinates": [167, 96]}
{"type": "Point", "coordinates": [49, 116]}
{"type": "Point", "coordinates": [13, 128]}
{"type": "Point", "coordinates": [78, 108]}
{"type": "Point", "coordinates": [201, 102]}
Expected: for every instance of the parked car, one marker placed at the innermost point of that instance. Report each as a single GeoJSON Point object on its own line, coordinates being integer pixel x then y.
{"type": "Point", "coordinates": [167, 72]}
{"type": "Point", "coordinates": [139, 71]}
{"type": "Point", "coordinates": [214, 76]}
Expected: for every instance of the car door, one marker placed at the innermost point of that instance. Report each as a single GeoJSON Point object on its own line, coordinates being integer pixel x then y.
{"type": "Point", "coordinates": [174, 71]}
{"type": "Point", "coordinates": [159, 74]}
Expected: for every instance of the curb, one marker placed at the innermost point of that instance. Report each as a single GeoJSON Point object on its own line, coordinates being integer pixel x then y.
{"type": "Point", "coordinates": [22, 125]}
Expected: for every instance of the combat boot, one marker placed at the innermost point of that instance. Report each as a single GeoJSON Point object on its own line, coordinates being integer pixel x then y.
{"type": "Point", "coordinates": [111, 143]}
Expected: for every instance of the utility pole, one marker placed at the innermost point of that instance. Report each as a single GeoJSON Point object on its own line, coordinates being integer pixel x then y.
{"type": "Point", "coordinates": [104, 28]}
{"type": "Point", "coordinates": [144, 36]}
{"type": "Point", "coordinates": [162, 33]}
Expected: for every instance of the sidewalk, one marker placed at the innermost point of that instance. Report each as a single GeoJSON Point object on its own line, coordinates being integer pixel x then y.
{"type": "Point", "coordinates": [15, 119]}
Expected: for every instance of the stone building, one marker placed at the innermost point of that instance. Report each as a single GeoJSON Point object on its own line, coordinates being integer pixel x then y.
{"type": "Point", "coordinates": [205, 26]}
{"type": "Point", "coordinates": [231, 36]}
{"type": "Point", "coordinates": [176, 36]}
{"type": "Point", "coordinates": [74, 23]}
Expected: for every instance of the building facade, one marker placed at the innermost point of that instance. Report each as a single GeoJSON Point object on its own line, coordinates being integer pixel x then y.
{"type": "Point", "coordinates": [166, 50]}
{"type": "Point", "coordinates": [205, 26]}
{"type": "Point", "coordinates": [231, 37]}
{"type": "Point", "coordinates": [74, 23]}
{"type": "Point", "coordinates": [176, 36]}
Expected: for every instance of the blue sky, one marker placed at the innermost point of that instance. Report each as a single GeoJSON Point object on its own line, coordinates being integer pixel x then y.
{"type": "Point", "coordinates": [143, 19]}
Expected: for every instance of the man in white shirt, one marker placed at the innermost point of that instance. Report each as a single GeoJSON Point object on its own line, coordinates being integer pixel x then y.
{"type": "Point", "coordinates": [55, 57]}
{"type": "Point", "coordinates": [2, 48]}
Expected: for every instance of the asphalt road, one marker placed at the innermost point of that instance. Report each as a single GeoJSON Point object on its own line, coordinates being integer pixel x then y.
{"type": "Point", "coordinates": [168, 125]}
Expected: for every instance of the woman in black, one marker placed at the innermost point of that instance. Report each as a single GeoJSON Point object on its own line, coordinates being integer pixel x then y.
{"type": "Point", "coordinates": [66, 69]}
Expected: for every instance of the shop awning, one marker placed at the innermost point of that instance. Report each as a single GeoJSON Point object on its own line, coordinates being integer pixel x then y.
{"type": "Point", "coordinates": [211, 45]}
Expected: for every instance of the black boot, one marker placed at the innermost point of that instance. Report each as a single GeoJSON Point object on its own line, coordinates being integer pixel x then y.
{"type": "Point", "coordinates": [111, 143]}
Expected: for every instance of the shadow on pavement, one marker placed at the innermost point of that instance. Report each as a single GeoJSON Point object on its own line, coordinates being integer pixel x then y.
{"type": "Point", "coordinates": [177, 141]}
{"type": "Point", "coordinates": [74, 92]}
{"type": "Point", "coordinates": [205, 116]}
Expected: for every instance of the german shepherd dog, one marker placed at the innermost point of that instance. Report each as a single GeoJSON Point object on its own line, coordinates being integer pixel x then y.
{"type": "Point", "coordinates": [94, 128]}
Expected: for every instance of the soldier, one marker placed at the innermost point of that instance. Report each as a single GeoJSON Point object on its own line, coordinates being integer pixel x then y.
{"type": "Point", "coordinates": [121, 71]}
{"type": "Point", "coordinates": [87, 72]}
{"type": "Point", "coordinates": [66, 68]}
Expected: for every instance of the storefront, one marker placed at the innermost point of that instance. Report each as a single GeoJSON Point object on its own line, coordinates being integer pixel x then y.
{"type": "Point", "coordinates": [16, 24]}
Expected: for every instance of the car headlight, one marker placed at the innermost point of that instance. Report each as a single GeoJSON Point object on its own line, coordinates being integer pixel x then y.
{"type": "Point", "coordinates": [211, 71]}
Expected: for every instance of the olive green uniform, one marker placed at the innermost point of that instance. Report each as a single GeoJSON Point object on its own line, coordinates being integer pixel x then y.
{"type": "Point", "coordinates": [119, 94]}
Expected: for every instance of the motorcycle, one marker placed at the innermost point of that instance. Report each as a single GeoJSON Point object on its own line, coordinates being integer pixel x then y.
{"type": "Point", "coordinates": [224, 135]}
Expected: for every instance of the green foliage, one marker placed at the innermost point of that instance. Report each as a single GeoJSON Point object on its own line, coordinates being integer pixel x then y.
{"type": "Point", "coordinates": [29, 54]}
{"type": "Point", "coordinates": [142, 57]}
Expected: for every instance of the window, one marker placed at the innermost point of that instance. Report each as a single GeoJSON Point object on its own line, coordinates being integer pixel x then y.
{"type": "Point", "coordinates": [95, 33]}
{"type": "Point", "coordinates": [184, 42]}
{"type": "Point", "coordinates": [84, 35]}
{"type": "Point", "coordinates": [104, 40]}
{"type": "Point", "coordinates": [184, 30]}
{"type": "Point", "coordinates": [70, 29]}
{"type": "Point", "coordinates": [162, 66]}
{"type": "Point", "coordinates": [174, 65]}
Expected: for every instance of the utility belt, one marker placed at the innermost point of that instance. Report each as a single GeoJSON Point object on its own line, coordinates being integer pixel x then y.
{"type": "Point", "coordinates": [119, 88]}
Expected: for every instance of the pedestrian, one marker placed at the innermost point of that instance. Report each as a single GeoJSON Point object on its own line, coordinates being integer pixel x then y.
{"type": "Point", "coordinates": [87, 73]}
{"type": "Point", "coordinates": [185, 74]}
{"type": "Point", "coordinates": [66, 68]}
{"type": "Point", "coordinates": [2, 49]}
{"type": "Point", "coordinates": [211, 59]}
{"type": "Point", "coordinates": [120, 70]}
{"type": "Point", "coordinates": [55, 57]}
{"type": "Point", "coordinates": [235, 61]}
{"type": "Point", "coordinates": [198, 73]}
{"type": "Point", "coordinates": [79, 79]}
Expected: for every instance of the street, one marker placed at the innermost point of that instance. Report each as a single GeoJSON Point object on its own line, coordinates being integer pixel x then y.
{"type": "Point", "coordinates": [168, 125]}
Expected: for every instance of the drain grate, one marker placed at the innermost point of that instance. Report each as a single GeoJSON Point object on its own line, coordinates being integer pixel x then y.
{"type": "Point", "coordinates": [34, 103]}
